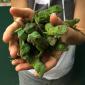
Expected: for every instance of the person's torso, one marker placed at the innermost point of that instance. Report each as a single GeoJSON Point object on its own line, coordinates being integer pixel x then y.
{"type": "Point", "coordinates": [66, 61]}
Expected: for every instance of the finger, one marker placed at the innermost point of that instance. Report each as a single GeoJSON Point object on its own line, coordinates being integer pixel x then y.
{"type": "Point", "coordinates": [13, 48]}
{"type": "Point", "coordinates": [55, 20]}
{"type": "Point", "coordinates": [50, 63]}
{"type": "Point", "coordinates": [22, 12]}
{"type": "Point", "coordinates": [45, 57]}
{"type": "Point", "coordinates": [54, 58]}
{"type": "Point", "coordinates": [17, 61]}
{"type": "Point", "coordinates": [8, 34]}
{"type": "Point", "coordinates": [23, 66]}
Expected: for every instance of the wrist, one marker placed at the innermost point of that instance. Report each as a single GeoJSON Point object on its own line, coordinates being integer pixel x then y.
{"type": "Point", "coordinates": [64, 37]}
{"type": "Point", "coordinates": [73, 36]}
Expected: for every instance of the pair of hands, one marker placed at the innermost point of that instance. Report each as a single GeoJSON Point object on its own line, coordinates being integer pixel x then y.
{"type": "Point", "coordinates": [8, 37]}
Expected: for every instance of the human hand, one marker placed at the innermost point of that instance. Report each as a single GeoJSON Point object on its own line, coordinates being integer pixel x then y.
{"type": "Point", "coordinates": [8, 37]}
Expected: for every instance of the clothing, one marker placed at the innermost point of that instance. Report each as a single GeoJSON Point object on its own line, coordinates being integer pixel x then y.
{"type": "Point", "coordinates": [66, 60]}
{"type": "Point", "coordinates": [25, 78]}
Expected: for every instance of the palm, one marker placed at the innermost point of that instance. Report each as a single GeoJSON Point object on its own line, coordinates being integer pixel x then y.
{"type": "Point", "coordinates": [49, 61]}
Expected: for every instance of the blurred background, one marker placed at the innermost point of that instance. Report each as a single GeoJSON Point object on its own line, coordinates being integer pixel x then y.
{"type": "Point", "coordinates": [8, 76]}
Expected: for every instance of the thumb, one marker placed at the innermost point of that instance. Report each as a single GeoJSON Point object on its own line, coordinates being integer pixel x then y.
{"type": "Point", "coordinates": [55, 20]}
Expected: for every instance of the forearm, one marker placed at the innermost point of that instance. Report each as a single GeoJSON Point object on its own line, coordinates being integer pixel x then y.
{"type": "Point", "coordinates": [73, 36]}
{"type": "Point", "coordinates": [80, 13]}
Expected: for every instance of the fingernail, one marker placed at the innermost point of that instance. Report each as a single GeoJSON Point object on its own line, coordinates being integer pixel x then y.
{"type": "Point", "coordinates": [53, 14]}
{"type": "Point", "coordinates": [13, 53]}
{"type": "Point", "coordinates": [13, 63]}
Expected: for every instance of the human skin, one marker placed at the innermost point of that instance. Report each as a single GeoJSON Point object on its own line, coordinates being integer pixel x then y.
{"type": "Point", "coordinates": [20, 11]}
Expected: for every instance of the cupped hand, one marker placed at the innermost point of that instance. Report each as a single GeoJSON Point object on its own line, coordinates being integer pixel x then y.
{"type": "Point", "coordinates": [8, 37]}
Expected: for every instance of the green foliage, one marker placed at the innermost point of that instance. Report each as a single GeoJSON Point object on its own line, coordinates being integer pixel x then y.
{"type": "Point", "coordinates": [39, 67]}
{"type": "Point", "coordinates": [24, 48]}
{"type": "Point", "coordinates": [39, 36]}
{"type": "Point", "coordinates": [21, 34]}
{"type": "Point", "coordinates": [5, 1]}
{"type": "Point", "coordinates": [71, 23]}
{"type": "Point", "coordinates": [55, 30]}
{"type": "Point", "coordinates": [61, 47]}
{"type": "Point", "coordinates": [43, 16]}
{"type": "Point", "coordinates": [29, 27]}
